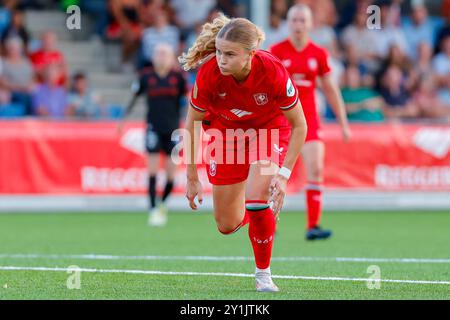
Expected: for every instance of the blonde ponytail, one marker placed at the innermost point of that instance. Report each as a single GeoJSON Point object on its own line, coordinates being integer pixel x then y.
{"type": "Point", "coordinates": [204, 45]}
{"type": "Point", "coordinates": [237, 30]}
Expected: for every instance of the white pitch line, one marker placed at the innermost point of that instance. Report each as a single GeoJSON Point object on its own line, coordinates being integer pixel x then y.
{"type": "Point", "coordinates": [214, 274]}
{"type": "Point", "coordinates": [216, 258]}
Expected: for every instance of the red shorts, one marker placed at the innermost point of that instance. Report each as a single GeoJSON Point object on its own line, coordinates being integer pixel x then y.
{"type": "Point", "coordinates": [312, 118]}
{"type": "Point", "coordinates": [313, 132]}
{"type": "Point", "coordinates": [228, 159]}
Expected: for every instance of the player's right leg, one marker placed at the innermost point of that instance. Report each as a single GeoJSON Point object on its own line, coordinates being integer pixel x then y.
{"type": "Point", "coordinates": [313, 153]}
{"type": "Point", "coordinates": [229, 207]}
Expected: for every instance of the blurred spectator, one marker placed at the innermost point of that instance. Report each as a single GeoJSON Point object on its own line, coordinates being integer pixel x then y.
{"type": "Point", "coordinates": [125, 26]}
{"type": "Point", "coordinates": [279, 8]}
{"type": "Point", "coordinates": [398, 101]}
{"type": "Point", "coordinates": [6, 6]}
{"type": "Point", "coordinates": [388, 35]}
{"type": "Point", "coordinates": [8, 108]}
{"type": "Point", "coordinates": [422, 64]}
{"type": "Point", "coordinates": [399, 58]}
{"type": "Point", "coordinates": [362, 40]}
{"type": "Point", "coordinates": [229, 7]}
{"type": "Point", "coordinates": [83, 102]}
{"type": "Point", "coordinates": [323, 33]}
{"type": "Point", "coordinates": [49, 55]}
{"type": "Point", "coordinates": [17, 28]}
{"type": "Point", "coordinates": [50, 99]}
{"type": "Point", "coordinates": [444, 31]}
{"type": "Point", "coordinates": [99, 10]}
{"type": "Point", "coordinates": [419, 28]}
{"type": "Point", "coordinates": [394, 13]}
{"type": "Point", "coordinates": [352, 59]}
{"type": "Point", "coordinates": [441, 66]}
{"type": "Point", "coordinates": [161, 32]}
{"type": "Point", "coordinates": [17, 74]}
{"type": "Point", "coordinates": [428, 101]}
{"type": "Point", "coordinates": [362, 103]}
{"type": "Point", "coordinates": [191, 12]}
{"type": "Point", "coordinates": [277, 32]}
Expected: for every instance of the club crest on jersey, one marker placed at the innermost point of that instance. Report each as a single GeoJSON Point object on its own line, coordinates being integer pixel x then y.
{"type": "Point", "coordinates": [312, 64]}
{"type": "Point", "coordinates": [212, 168]}
{"type": "Point", "coordinates": [261, 99]}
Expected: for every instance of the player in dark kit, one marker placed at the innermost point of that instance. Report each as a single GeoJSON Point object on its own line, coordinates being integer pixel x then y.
{"type": "Point", "coordinates": [164, 88]}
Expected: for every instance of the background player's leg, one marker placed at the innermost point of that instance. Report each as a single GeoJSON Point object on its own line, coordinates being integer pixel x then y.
{"type": "Point", "coordinates": [171, 167]}
{"type": "Point", "coordinates": [152, 165]}
{"type": "Point", "coordinates": [170, 171]}
{"type": "Point", "coordinates": [261, 230]}
{"type": "Point", "coordinates": [156, 217]}
{"type": "Point", "coordinates": [313, 153]}
{"type": "Point", "coordinates": [170, 174]}
{"type": "Point", "coordinates": [229, 206]}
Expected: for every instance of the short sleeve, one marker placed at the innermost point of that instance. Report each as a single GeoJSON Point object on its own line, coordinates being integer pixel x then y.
{"type": "Point", "coordinates": [324, 63]}
{"type": "Point", "coordinates": [200, 93]}
{"type": "Point", "coordinates": [286, 91]}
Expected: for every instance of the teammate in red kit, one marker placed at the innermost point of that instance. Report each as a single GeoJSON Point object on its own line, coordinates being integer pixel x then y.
{"type": "Point", "coordinates": [247, 103]}
{"type": "Point", "coordinates": [306, 61]}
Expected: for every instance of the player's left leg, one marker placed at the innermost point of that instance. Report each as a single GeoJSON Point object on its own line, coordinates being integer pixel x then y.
{"type": "Point", "coordinates": [262, 224]}
{"type": "Point", "coordinates": [313, 153]}
{"type": "Point", "coordinates": [155, 218]}
{"type": "Point", "coordinates": [171, 168]}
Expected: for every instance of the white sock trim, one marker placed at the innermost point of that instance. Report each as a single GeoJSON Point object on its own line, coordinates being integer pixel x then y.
{"type": "Point", "coordinates": [267, 270]}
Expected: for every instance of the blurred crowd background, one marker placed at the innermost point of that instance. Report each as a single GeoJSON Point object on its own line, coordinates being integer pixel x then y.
{"type": "Point", "coordinates": [401, 71]}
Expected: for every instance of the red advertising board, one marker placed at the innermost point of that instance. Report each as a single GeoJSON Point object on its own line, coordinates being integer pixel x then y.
{"type": "Point", "coordinates": [39, 157]}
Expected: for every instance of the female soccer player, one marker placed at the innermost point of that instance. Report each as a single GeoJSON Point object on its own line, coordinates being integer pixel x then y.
{"type": "Point", "coordinates": [306, 61]}
{"type": "Point", "coordinates": [243, 93]}
{"type": "Point", "coordinates": [164, 88]}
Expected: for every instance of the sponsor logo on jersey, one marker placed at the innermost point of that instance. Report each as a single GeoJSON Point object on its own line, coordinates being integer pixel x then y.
{"type": "Point", "coordinates": [434, 141]}
{"type": "Point", "coordinates": [290, 90]}
{"type": "Point", "coordinates": [261, 99]}
{"type": "Point", "coordinates": [240, 113]}
{"type": "Point", "coordinates": [278, 149]}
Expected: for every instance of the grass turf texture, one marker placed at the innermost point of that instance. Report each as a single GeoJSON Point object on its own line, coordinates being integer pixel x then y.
{"type": "Point", "coordinates": [356, 234]}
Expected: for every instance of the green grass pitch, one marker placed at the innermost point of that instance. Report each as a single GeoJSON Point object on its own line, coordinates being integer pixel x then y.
{"type": "Point", "coordinates": [56, 241]}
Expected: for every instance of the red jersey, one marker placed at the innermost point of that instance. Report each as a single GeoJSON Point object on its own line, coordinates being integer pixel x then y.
{"type": "Point", "coordinates": [41, 60]}
{"type": "Point", "coordinates": [258, 102]}
{"type": "Point", "coordinates": [304, 67]}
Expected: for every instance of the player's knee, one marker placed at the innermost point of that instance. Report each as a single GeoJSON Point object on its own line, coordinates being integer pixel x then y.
{"type": "Point", "coordinates": [227, 227]}
{"type": "Point", "coordinates": [316, 173]}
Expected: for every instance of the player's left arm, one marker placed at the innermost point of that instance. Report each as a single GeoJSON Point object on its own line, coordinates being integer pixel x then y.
{"type": "Point", "coordinates": [278, 186]}
{"type": "Point", "coordinates": [296, 119]}
{"type": "Point", "coordinates": [334, 97]}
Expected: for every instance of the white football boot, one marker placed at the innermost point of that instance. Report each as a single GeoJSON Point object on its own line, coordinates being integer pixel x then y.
{"type": "Point", "coordinates": [157, 218]}
{"type": "Point", "coordinates": [264, 281]}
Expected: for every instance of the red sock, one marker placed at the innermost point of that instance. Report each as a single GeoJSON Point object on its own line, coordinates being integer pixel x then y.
{"type": "Point", "coordinates": [261, 231]}
{"type": "Point", "coordinates": [313, 204]}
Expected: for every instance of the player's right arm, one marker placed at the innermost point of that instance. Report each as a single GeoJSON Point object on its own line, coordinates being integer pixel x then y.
{"type": "Point", "coordinates": [192, 139]}
{"type": "Point", "coordinates": [200, 99]}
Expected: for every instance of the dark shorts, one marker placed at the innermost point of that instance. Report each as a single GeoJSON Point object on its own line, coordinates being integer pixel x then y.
{"type": "Point", "coordinates": [156, 142]}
